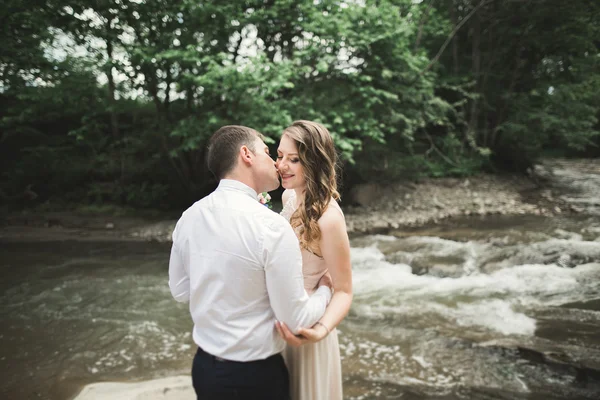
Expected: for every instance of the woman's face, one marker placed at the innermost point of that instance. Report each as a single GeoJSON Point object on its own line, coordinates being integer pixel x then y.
{"type": "Point", "coordinates": [288, 164]}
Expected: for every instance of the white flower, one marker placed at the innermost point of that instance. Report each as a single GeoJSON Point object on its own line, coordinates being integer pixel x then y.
{"type": "Point", "coordinates": [264, 198]}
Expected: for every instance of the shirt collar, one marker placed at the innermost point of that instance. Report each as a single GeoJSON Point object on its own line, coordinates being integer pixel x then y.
{"type": "Point", "coordinates": [234, 185]}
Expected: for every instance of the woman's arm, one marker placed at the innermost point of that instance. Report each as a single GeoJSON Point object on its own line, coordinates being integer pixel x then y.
{"type": "Point", "coordinates": [335, 249]}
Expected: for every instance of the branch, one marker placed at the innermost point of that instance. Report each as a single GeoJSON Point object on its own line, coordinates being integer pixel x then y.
{"type": "Point", "coordinates": [438, 151]}
{"type": "Point", "coordinates": [453, 33]}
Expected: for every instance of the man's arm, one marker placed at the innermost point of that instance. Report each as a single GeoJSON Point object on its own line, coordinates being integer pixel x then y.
{"type": "Point", "coordinates": [179, 280]}
{"type": "Point", "coordinates": [285, 283]}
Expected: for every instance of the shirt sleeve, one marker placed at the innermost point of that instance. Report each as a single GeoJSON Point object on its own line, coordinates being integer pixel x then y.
{"type": "Point", "coordinates": [285, 283]}
{"type": "Point", "coordinates": [179, 280]}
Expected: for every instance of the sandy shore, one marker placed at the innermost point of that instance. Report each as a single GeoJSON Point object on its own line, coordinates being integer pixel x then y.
{"type": "Point", "coordinates": [172, 388]}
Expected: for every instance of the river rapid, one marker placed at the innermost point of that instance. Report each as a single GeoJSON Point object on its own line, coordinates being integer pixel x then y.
{"type": "Point", "coordinates": [480, 308]}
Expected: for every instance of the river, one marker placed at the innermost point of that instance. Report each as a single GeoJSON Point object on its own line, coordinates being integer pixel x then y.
{"type": "Point", "coordinates": [487, 308]}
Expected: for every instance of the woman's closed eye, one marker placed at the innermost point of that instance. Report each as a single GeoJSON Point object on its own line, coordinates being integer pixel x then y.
{"type": "Point", "coordinates": [292, 160]}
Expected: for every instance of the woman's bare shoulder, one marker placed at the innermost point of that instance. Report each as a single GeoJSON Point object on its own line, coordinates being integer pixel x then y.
{"type": "Point", "coordinates": [332, 218]}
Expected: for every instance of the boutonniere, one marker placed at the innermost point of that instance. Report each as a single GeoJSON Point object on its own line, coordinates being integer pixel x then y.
{"type": "Point", "coordinates": [264, 198]}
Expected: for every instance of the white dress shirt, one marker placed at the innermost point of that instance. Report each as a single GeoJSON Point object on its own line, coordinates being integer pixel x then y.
{"type": "Point", "coordinates": [240, 267]}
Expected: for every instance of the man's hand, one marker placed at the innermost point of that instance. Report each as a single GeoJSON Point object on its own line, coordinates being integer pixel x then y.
{"type": "Point", "coordinates": [311, 335]}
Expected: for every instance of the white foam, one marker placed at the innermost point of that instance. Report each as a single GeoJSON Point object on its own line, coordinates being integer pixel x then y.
{"type": "Point", "coordinates": [495, 315]}
{"type": "Point", "coordinates": [489, 301]}
{"type": "Point", "coordinates": [364, 257]}
{"type": "Point", "coordinates": [371, 272]}
{"type": "Point", "coordinates": [384, 238]}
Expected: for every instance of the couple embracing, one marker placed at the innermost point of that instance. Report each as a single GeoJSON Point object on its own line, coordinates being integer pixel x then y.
{"type": "Point", "coordinates": [265, 290]}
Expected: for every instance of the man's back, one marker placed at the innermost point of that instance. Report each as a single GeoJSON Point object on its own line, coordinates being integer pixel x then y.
{"type": "Point", "coordinates": [232, 259]}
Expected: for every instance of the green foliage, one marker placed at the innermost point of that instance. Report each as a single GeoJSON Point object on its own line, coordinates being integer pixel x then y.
{"type": "Point", "coordinates": [114, 101]}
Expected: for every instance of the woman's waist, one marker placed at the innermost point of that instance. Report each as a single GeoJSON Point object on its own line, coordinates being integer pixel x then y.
{"type": "Point", "coordinates": [312, 278]}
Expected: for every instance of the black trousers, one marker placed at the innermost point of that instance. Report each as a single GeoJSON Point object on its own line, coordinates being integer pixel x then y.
{"type": "Point", "coordinates": [217, 379]}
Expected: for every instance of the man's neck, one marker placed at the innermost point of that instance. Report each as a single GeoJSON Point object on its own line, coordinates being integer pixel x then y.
{"type": "Point", "coordinates": [243, 178]}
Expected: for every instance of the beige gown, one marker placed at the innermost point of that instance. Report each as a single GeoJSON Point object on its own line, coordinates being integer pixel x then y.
{"type": "Point", "coordinates": [315, 368]}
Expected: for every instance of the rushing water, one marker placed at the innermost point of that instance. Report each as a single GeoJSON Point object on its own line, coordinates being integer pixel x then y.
{"type": "Point", "coordinates": [478, 309]}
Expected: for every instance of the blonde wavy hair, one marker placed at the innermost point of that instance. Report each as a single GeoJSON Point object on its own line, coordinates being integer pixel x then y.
{"type": "Point", "coordinates": [318, 158]}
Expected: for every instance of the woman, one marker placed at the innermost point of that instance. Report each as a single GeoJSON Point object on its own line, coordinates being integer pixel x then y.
{"type": "Point", "coordinates": [306, 160]}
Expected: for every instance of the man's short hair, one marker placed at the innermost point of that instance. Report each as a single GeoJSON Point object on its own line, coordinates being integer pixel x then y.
{"type": "Point", "coordinates": [224, 146]}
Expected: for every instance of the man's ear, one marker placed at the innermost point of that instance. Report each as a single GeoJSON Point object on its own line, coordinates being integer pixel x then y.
{"type": "Point", "coordinates": [246, 155]}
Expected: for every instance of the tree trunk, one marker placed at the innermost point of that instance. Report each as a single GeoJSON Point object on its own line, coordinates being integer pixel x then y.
{"type": "Point", "coordinates": [189, 99]}
{"type": "Point", "coordinates": [476, 65]}
{"type": "Point", "coordinates": [491, 41]}
{"type": "Point", "coordinates": [112, 104]}
{"type": "Point", "coordinates": [167, 102]}
{"type": "Point", "coordinates": [455, 39]}
{"type": "Point", "coordinates": [152, 86]}
{"type": "Point", "coordinates": [114, 124]}
{"type": "Point", "coordinates": [511, 87]}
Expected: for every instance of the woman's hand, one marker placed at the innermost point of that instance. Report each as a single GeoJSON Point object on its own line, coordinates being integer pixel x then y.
{"type": "Point", "coordinates": [310, 335]}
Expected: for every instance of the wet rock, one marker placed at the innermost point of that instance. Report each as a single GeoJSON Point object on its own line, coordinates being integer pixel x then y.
{"type": "Point", "coordinates": [578, 182]}
{"type": "Point", "coordinates": [566, 253]}
{"type": "Point", "coordinates": [562, 234]}
{"type": "Point", "coordinates": [592, 305]}
{"type": "Point", "coordinates": [593, 229]}
{"type": "Point", "coordinates": [160, 232]}
{"type": "Point", "coordinates": [577, 367]}
{"type": "Point", "coordinates": [400, 257]}
{"type": "Point", "coordinates": [541, 173]}
{"type": "Point", "coordinates": [441, 267]}
{"type": "Point", "coordinates": [565, 261]}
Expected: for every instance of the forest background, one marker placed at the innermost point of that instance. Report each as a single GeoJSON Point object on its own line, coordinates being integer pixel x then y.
{"type": "Point", "coordinates": [111, 102]}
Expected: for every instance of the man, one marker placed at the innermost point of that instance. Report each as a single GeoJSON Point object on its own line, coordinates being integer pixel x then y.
{"type": "Point", "coordinates": [239, 265]}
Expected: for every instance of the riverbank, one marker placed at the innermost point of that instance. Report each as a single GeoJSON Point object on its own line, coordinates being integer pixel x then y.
{"type": "Point", "coordinates": [552, 188]}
